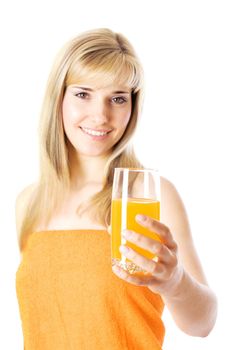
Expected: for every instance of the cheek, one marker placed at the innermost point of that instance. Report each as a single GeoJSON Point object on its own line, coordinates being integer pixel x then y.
{"type": "Point", "coordinates": [70, 114]}
{"type": "Point", "coordinates": [125, 117]}
{"type": "Point", "coordinates": [67, 111]}
{"type": "Point", "coordinates": [68, 119]}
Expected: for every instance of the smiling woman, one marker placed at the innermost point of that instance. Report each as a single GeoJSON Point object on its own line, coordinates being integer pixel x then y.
{"type": "Point", "coordinates": [98, 115]}
{"type": "Point", "coordinates": [68, 295]}
{"type": "Point", "coordinates": [96, 83]}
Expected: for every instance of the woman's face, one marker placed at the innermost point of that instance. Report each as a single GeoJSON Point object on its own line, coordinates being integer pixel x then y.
{"type": "Point", "coordinates": [87, 111]}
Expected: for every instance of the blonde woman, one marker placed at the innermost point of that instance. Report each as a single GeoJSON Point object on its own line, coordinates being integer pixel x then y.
{"type": "Point", "coordinates": [69, 297]}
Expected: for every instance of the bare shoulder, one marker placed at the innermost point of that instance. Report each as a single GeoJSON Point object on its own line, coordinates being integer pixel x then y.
{"type": "Point", "coordinates": [172, 206]}
{"type": "Point", "coordinates": [174, 216]}
{"type": "Point", "coordinates": [21, 203]}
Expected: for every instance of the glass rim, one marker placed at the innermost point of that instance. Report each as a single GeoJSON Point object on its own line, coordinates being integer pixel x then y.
{"type": "Point", "coordinates": [155, 170]}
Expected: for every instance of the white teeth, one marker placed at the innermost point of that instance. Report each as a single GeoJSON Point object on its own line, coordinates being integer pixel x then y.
{"type": "Point", "coordinates": [95, 133]}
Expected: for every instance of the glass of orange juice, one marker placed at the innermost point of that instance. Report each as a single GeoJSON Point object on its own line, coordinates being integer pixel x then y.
{"type": "Point", "coordinates": [134, 191]}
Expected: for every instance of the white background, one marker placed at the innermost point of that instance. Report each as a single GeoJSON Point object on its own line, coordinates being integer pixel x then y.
{"type": "Point", "coordinates": [183, 46]}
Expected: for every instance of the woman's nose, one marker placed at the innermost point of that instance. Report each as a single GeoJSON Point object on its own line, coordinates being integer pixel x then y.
{"type": "Point", "coordinates": [100, 111]}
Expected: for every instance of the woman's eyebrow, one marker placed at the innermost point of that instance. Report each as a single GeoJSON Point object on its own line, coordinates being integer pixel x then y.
{"type": "Point", "coordinates": [89, 89]}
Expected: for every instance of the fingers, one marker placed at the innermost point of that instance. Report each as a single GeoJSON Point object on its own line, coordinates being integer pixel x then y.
{"type": "Point", "coordinates": [159, 228]}
{"type": "Point", "coordinates": [162, 271]}
{"type": "Point", "coordinates": [147, 243]}
{"type": "Point", "coordinates": [156, 227]}
{"type": "Point", "coordinates": [158, 270]}
{"type": "Point", "coordinates": [155, 269]}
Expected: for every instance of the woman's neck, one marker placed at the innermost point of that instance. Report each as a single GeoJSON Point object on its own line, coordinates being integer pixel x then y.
{"type": "Point", "coordinates": [86, 170]}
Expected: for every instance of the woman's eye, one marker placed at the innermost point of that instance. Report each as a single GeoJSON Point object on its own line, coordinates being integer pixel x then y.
{"type": "Point", "coordinates": [119, 100]}
{"type": "Point", "coordinates": [82, 95]}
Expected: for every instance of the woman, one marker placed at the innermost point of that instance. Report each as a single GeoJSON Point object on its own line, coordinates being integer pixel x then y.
{"type": "Point", "coordinates": [69, 298]}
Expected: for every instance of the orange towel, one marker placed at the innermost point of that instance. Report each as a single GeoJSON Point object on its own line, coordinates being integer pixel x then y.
{"type": "Point", "coordinates": [70, 299]}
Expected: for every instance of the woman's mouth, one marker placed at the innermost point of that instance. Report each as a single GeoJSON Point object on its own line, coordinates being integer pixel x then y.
{"type": "Point", "coordinates": [95, 135]}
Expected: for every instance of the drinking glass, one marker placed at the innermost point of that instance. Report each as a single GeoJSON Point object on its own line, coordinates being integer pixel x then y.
{"type": "Point", "coordinates": [135, 191]}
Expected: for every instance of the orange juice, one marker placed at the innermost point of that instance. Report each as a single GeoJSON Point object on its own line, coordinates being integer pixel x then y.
{"type": "Point", "coordinates": [128, 212]}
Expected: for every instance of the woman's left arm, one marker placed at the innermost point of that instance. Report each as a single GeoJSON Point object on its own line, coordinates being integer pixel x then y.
{"type": "Point", "coordinates": [177, 276]}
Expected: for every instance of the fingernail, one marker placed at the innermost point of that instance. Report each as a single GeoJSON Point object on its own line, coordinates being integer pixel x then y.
{"type": "Point", "coordinates": [141, 217]}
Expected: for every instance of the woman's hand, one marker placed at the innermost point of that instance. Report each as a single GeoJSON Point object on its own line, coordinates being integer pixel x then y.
{"type": "Point", "coordinates": [166, 273]}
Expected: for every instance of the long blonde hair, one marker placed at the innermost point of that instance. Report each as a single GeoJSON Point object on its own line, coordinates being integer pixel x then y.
{"type": "Point", "coordinates": [96, 55]}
